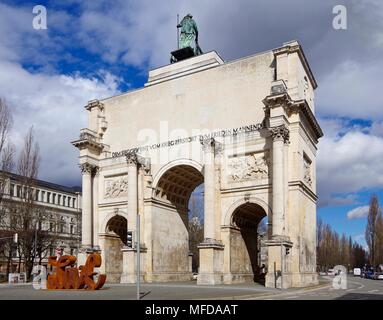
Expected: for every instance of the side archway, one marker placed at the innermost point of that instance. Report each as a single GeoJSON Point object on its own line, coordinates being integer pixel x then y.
{"type": "Point", "coordinates": [113, 238]}
{"type": "Point", "coordinates": [244, 241]}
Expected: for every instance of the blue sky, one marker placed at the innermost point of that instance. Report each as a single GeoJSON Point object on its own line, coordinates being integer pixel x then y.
{"type": "Point", "coordinates": [95, 49]}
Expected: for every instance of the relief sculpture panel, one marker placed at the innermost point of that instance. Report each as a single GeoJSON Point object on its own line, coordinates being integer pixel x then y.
{"type": "Point", "coordinates": [249, 167]}
{"type": "Point", "coordinates": [116, 188]}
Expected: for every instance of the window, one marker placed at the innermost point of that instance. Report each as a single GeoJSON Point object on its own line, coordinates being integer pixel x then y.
{"type": "Point", "coordinates": [37, 193]}
{"type": "Point", "coordinates": [18, 191]}
{"type": "Point", "coordinates": [12, 191]}
{"type": "Point", "coordinates": [51, 226]}
{"type": "Point", "coordinates": [64, 200]}
{"type": "Point", "coordinates": [49, 197]}
{"type": "Point", "coordinates": [54, 198]}
{"type": "Point", "coordinates": [42, 196]}
{"type": "Point", "coordinates": [71, 228]}
{"type": "Point", "coordinates": [62, 228]}
{"type": "Point", "coordinates": [73, 202]}
{"type": "Point", "coordinates": [71, 251]}
{"type": "Point", "coordinates": [51, 251]}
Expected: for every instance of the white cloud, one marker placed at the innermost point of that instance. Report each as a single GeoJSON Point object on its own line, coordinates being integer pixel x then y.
{"type": "Point", "coordinates": [350, 90]}
{"type": "Point", "coordinates": [53, 104]}
{"type": "Point", "coordinates": [347, 163]}
{"type": "Point", "coordinates": [359, 212]}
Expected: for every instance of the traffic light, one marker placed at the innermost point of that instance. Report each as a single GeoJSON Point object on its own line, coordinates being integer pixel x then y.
{"type": "Point", "coordinates": [287, 251]}
{"type": "Point", "coordinates": [129, 239]}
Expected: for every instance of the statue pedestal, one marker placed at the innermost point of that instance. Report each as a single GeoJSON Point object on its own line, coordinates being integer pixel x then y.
{"type": "Point", "coordinates": [182, 54]}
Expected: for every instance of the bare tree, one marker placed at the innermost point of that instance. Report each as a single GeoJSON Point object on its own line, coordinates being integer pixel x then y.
{"type": "Point", "coordinates": [29, 219]}
{"type": "Point", "coordinates": [333, 249]}
{"type": "Point", "coordinates": [7, 163]}
{"type": "Point", "coordinates": [195, 230]}
{"type": "Point", "coordinates": [372, 227]}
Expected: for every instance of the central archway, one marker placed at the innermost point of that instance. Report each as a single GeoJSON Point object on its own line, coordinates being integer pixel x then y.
{"type": "Point", "coordinates": [171, 194]}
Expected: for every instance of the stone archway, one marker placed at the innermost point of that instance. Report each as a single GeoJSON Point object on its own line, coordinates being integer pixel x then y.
{"type": "Point", "coordinates": [113, 240]}
{"type": "Point", "coordinates": [243, 243]}
{"type": "Point", "coordinates": [170, 232]}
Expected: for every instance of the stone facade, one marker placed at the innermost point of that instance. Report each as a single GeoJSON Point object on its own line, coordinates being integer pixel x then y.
{"type": "Point", "coordinates": [246, 129]}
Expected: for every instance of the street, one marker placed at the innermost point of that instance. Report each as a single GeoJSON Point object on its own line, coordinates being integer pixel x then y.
{"type": "Point", "coordinates": [357, 289]}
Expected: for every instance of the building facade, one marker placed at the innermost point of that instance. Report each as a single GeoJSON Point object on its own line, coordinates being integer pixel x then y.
{"type": "Point", "coordinates": [246, 129]}
{"type": "Point", "coordinates": [61, 207]}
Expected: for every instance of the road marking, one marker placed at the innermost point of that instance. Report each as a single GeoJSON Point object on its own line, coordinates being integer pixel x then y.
{"type": "Point", "coordinates": [350, 289]}
{"type": "Point", "coordinates": [293, 297]}
{"type": "Point", "coordinates": [371, 291]}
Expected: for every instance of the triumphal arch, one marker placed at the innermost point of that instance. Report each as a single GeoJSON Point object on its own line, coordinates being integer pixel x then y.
{"type": "Point", "coordinates": [246, 129]}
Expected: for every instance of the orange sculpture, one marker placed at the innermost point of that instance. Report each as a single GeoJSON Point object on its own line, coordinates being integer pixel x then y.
{"type": "Point", "coordinates": [69, 277]}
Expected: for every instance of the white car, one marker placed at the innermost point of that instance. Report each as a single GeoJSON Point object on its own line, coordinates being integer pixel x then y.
{"type": "Point", "coordinates": [357, 272]}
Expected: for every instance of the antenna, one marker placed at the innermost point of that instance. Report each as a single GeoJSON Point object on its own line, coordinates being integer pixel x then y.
{"type": "Point", "coordinates": [178, 34]}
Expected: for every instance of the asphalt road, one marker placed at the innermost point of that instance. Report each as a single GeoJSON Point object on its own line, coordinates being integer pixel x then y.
{"type": "Point", "coordinates": [357, 289]}
{"type": "Point", "coordinates": [158, 291]}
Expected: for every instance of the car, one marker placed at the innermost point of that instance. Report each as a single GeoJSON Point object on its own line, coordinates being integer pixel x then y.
{"type": "Point", "coordinates": [369, 274]}
{"type": "Point", "coordinates": [331, 272]}
{"type": "Point", "coordinates": [378, 276]}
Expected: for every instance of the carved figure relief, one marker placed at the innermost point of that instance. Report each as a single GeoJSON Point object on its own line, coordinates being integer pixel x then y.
{"type": "Point", "coordinates": [250, 167]}
{"type": "Point", "coordinates": [116, 188]}
{"type": "Point", "coordinates": [307, 171]}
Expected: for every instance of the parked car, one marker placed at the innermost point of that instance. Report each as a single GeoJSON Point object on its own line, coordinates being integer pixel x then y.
{"type": "Point", "coordinates": [357, 272]}
{"type": "Point", "coordinates": [331, 272]}
{"type": "Point", "coordinates": [378, 276]}
{"type": "Point", "coordinates": [368, 274]}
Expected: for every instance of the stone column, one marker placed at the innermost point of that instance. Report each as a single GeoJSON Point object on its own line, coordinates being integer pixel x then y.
{"type": "Point", "coordinates": [95, 220]}
{"type": "Point", "coordinates": [210, 250]}
{"type": "Point", "coordinates": [132, 162]}
{"type": "Point", "coordinates": [277, 275]}
{"type": "Point", "coordinates": [86, 222]}
{"type": "Point", "coordinates": [209, 190]}
{"type": "Point", "coordinates": [129, 254]}
{"type": "Point", "coordinates": [280, 136]}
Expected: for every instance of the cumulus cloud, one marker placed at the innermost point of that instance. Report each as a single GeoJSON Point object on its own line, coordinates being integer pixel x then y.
{"type": "Point", "coordinates": [53, 104]}
{"type": "Point", "coordinates": [348, 162]}
{"type": "Point", "coordinates": [359, 212]}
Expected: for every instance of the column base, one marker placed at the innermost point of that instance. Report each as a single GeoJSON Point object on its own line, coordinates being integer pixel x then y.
{"type": "Point", "coordinates": [211, 262]}
{"type": "Point", "coordinates": [279, 274]}
{"type": "Point", "coordinates": [129, 265]}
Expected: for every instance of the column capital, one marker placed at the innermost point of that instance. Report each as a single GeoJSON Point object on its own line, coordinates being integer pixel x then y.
{"type": "Point", "coordinates": [87, 168]}
{"type": "Point", "coordinates": [280, 133]}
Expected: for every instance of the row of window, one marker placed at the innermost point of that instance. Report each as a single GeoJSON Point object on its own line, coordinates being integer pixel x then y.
{"type": "Point", "coordinates": [44, 196]}
{"type": "Point", "coordinates": [61, 228]}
